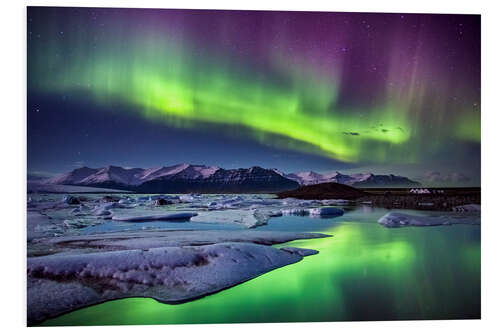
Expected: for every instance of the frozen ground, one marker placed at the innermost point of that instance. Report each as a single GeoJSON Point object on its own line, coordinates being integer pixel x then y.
{"type": "Point", "coordinates": [72, 214]}
{"type": "Point", "coordinates": [89, 248]}
{"type": "Point", "coordinates": [60, 283]}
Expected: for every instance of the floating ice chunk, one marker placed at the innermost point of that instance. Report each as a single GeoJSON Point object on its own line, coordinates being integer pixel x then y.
{"type": "Point", "coordinates": [394, 219]}
{"type": "Point", "coordinates": [320, 211]}
{"type": "Point", "coordinates": [295, 211]}
{"type": "Point", "coordinates": [245, 217]}
{"type": "Point", "coordinates": [326, 211]}
{"type": "Point", "coordinates": [275, 213]}
{"type": "Point", "coordinates": [159, 217]}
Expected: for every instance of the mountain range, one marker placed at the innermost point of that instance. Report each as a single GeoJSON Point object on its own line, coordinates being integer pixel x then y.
{"type": "Point", "coordinates": [185, 178]}
{"type": "Point", "coordinates": [355, 180]}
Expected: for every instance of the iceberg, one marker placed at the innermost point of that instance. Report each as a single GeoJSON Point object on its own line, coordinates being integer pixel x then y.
{"type": "Point", "coordinates": [394, 219]}
{"type": "Point", "coordinates": [326, 211]}
{"type": "Point", "coordinates": [159, 217]}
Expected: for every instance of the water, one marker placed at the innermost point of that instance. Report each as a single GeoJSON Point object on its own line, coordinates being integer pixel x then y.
{"type": "Point", "coordinates": [363, 272]}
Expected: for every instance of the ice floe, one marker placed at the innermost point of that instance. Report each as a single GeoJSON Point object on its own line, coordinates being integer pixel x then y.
{"type": "Point", "coordinates": [248, 211]}
{"type": "Point", "coordinates": [245, 217]}
{"type": "Point", "coordinates": [162, 265]}
{"type": "Point", "coordinates": [395, 219]}
{"type": "Point", "coordinates": [326, 211]}
{"type": "Point", "coordinates": [157, 217]}
{"type": "Point", "coordinates": [314, 212]}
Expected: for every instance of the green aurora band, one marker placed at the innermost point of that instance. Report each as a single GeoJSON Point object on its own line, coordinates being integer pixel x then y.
{"type": "Point", "coordinates": [166, 78]}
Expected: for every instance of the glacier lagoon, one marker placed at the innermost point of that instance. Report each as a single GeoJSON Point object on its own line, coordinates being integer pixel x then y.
{"type": "Point", "coordinates": [364, 272]}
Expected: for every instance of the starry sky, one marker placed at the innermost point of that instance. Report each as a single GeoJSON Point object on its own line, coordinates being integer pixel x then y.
{"type": "Point", "coordinates": [355, 92]}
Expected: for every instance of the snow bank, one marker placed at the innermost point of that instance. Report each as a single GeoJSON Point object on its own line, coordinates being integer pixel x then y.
{"type": "Point", "coordinates": [167, 274]}
{"type": "Point", "coordinates": [133, 240]}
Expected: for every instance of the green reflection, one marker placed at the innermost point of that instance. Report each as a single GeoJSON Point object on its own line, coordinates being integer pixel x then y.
{"type": "Point", "coordinates": [364, 272]}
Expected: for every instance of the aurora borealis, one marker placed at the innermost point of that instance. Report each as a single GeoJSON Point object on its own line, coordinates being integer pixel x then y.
{"type": "Point", "coordinates": [399, 93]}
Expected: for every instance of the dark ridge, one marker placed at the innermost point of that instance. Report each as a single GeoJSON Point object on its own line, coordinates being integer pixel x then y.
{"type": "Point", "coordinates": [251, 180]}
{"type": "Point", "coordinates": [324, 191]}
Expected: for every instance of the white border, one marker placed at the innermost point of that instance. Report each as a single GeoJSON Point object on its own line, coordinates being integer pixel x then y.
{"type": "Point", "coordinates": [13, 163]}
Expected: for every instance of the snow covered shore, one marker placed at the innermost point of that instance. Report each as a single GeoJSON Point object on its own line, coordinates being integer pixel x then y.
{"type": "Point", "coordinates": [172, 267]}
{"type": "Point", "coordinates": [69, 268]}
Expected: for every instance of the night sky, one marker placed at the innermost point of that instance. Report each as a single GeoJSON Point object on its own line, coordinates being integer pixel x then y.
{"type": "Point", "coordinates": [387, 93]}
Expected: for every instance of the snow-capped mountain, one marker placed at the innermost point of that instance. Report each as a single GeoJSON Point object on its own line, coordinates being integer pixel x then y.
{"type": "Point", "coordinates": [356, 180]}
{"type": "Point", "coordinates": [306, 177]}
{"type": "Point", "coordinates": [114, 174]}
{"type": "Point", "coordinates": [181, 178]}
{"type": "Point", "coordinates": [72, 177]}
{"type": "Point", "coordinates": [178, 179]}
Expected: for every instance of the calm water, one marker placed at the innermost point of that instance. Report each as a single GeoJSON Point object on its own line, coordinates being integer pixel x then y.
{"type": "Point", "coordinates": [363, 272]}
